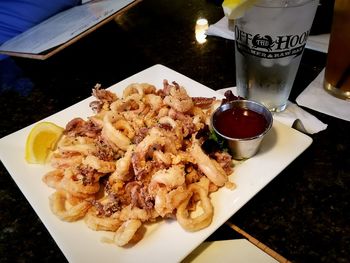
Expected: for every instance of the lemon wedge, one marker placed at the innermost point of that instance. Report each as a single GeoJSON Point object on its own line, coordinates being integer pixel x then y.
{"type": "Point", "coordinates": [41, 140]}
{"type": "Point", "coordinates": [234, 9]}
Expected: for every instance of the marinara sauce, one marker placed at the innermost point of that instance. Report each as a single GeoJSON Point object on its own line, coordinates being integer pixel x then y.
{"type": "Point", "coordinates": [240, 123]}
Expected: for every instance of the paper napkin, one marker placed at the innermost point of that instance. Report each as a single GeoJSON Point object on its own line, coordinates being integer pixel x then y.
{"type": "Point", "coordinates": [316, 98]}
{"type": "Point", "coordinates": [318, 42]}
{"type": "Point", "coordinates": [221, 29]}
{"type": "Point", "coordinates": [293, 116]}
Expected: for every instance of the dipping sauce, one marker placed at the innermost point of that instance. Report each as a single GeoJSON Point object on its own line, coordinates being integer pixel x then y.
{"type": "Point", "coordinates": [240, 123]}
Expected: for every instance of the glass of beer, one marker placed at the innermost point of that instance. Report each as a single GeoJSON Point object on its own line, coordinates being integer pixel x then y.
{"type": "Point", "coordinates": [337, 73]}
{"type": "Point", "coordinates": [270, 40]}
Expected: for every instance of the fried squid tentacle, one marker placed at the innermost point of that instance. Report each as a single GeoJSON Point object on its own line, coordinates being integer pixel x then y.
{"type": "Point", "coordinates": [208, 166]}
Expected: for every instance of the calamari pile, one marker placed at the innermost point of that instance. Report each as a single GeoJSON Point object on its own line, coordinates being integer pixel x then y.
{"type": "Point", "coordinates": [138, 160]}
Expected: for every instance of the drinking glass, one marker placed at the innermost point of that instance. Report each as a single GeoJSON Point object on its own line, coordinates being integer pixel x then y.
{"type": "Point", "coordinates": [270, 39]}
{"type": "Point", "coordinates": [337, 73]}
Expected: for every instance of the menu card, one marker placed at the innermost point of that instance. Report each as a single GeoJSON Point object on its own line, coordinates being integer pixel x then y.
{"type": "Point", "coordinates": [64, 28]}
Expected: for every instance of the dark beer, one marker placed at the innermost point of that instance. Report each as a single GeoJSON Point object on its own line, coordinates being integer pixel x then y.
{"type": "Point", "coordinates": [337, 75]}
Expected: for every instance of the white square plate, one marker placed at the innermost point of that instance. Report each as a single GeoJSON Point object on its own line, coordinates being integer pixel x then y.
{"type": "Point", "coordinates": [235, 251]}
{"type": "Point", "coordinates": [165, 241]}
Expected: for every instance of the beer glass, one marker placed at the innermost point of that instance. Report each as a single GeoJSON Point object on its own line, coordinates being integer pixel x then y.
{"type": "Point", "coordinates": [337, 73]}
{"type": "Point", "coordinates": [270, 39]}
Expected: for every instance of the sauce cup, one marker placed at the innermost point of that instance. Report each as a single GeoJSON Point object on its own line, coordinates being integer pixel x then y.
{"type": "Point", "coordinates": [243, 124]}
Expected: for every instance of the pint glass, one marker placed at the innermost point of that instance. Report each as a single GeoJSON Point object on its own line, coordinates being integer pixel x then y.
{"type": "Point", "coordinates": [270, 39]}
{"type": "Point", "coordinates": [337, 74]}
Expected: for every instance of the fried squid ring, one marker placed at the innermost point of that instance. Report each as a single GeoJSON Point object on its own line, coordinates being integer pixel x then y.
{"type": "Point", "coordinates": [166, 202]}
{"type": "Point", "coordinates": [79, 144]}
{"type": "Point", "coordinates": [160, 204]}
{"type": "Point", "coordinates": [171, 178]}
{"type": "Point", "coordinates": [113, 135]}
{"type": "Point", "coordinates": [139, 88]}
{"type": "Point", "coordinates": [53, 178]}
{"type": "Point", "coordinates": [134, 88]}
{"type": "Point", "coordinates": [126, 232]}
{"type": "Point", "coordinates": [139, 157]}
{"type": "Point", "coordinates": [154, 101]}
{"type": "Point", "coordinates": [133, 212]}
{"type": "Point", "coordinates": [167, 120]}
{"type": "Point", "coordinates": [201, 221]}
{"type": "Point", "coordinates": [123, 165]}
{"type": "Point", "coordinates": [65, 160]}
{"type": "Point", "coordinates": [131, 103]}
{"type": "Point", "coordinates": [99, 165]}
{"type": "Point", "coordinates": [125, 127]}
{"type": "Point", "coordinates": [161, 157]}
{"type": "Point", "coordinates": [77, 187]}
{"type": "Point", "coordinates": [99, 223]}
{"type": "Point", "coordinates": [58, 207]}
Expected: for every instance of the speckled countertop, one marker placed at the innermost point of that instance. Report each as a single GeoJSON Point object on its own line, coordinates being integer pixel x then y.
{"type": "Point", "coordinates": [303, 214]}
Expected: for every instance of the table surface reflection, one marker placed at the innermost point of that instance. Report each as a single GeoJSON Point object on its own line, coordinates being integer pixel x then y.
{"type": "Point", "coordinates": [302, 214]}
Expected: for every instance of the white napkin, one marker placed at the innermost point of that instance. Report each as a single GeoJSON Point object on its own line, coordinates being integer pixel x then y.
{"type": "Point", "coordinates": [293, 116]}
{"type": "Point", "coordinates": [316, 98]}
{"type": "Point", "coordinates": [318, 42]}
{"type": "Point", "coordinates": [221, 29]}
